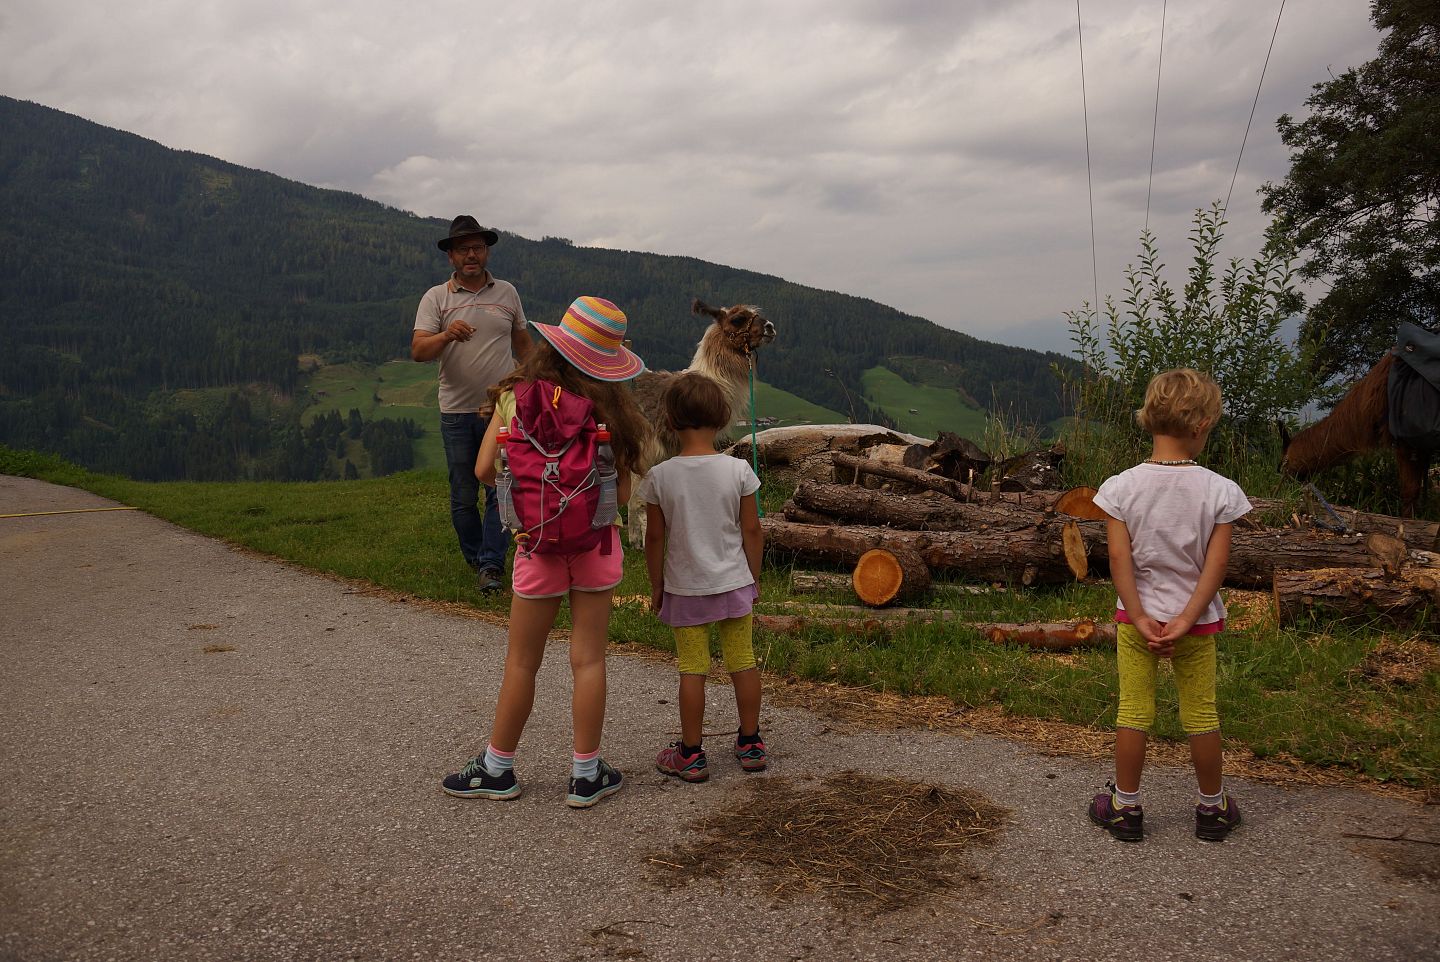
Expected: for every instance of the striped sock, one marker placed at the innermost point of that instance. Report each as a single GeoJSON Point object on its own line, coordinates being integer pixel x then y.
{"type": "Point", "coordinates": [496, 762]}
{"type": "Point", "coordinates": [1214, 801]}
{"type": "Point", "coordinates": [1127, 798]}
{"type": "Point", "coordinates": [586, 765]}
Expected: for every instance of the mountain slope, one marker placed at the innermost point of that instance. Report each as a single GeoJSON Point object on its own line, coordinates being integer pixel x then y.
{"type": "Point", "coordinates": [129, 270]}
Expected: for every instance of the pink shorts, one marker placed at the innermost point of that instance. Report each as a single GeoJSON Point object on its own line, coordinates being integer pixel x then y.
{"type": "Point", "coordinates": [556, 575]}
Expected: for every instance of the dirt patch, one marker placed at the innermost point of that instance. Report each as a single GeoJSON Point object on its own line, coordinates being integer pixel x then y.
{"type": "Point", "coordinates": [878, 844]}
{"type": "Point", "coordinates": [1411, 859]}
{"type": "Point", "coordinates": [1403, 663]}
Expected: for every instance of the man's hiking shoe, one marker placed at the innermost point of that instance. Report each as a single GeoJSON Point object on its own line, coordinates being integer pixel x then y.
{"type": "Point", "coordinates": [751, 757]}
{"type": "Point", "coordinates": [1125, 822]}
{"type": "Point", "coordinates": [489, 579]}
{"type": "Point", "coordinates": [473, 781]}
{"type": "Point", "coordinates": [1214, 822]}
{"type": "Point", "coordinates": [673, 761]}
{"type": "Point", "coordinates": [585, 792]}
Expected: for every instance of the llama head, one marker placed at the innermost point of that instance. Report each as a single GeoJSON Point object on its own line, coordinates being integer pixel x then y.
{"type": "Point", "coordinates": [740, 330]}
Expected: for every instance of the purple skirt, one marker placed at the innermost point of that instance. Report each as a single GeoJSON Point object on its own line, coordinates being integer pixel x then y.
{"type": "Point", "coordinates": [682, 611]}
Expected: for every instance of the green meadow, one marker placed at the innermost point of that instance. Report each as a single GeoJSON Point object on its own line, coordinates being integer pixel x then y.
{"type": "Point", "coordinates": [924, 409]}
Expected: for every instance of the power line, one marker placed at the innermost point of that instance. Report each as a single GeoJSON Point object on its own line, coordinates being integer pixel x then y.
{"type": "Point", "coordinates": [1089, 181]}
{"type": "Point", "coordinates": [1155, 123]}
{"type": "Point", "coordinates": [1256, 101]}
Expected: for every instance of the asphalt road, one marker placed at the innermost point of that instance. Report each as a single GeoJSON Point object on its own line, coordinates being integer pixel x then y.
{"type": "Point", "coordinates": [279, 798]}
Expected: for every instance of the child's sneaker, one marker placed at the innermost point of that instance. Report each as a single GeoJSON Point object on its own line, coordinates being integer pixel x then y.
{"type": "Point", "coordinates": [473, 781]}
{"type": "Point", "coordinates": [585, 792]}
{"type": "Point", "coordinates": [673, 761]}
{"type": "Point", "coordinates": [1125, 822]}
{"type": "Point", "coordinates": [751, 757]}
{"type": "Point", "coordinates": [1214, 822]}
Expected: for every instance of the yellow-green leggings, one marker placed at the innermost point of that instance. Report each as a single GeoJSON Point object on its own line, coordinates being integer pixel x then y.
{"type": "Point", "coordinates": [1194, 664]}
{"type": "Point", "coordinates": [692, 645]}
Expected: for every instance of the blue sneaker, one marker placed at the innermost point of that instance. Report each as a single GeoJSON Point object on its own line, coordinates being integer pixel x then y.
{"type": "Point", "coordinates": [585, 792]}
{"type": "Point", "coordinates": [473, 781]}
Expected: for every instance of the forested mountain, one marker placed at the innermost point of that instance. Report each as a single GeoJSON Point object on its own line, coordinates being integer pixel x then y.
{"type": "Point", "coordinates": [130, 271]}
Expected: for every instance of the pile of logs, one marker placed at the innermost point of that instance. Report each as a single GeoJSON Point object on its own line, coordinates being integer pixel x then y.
{"type": "Point", "coordinates": [897, 524]}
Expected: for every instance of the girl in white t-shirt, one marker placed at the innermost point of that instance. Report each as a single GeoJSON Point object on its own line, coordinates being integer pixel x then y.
{"type": "Point", "coordinates": [702, 548]}
{"type": "Point", "coordinates": [1169, 542]}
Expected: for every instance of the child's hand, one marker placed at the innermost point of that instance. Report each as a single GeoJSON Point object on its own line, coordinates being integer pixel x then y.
{"type": "Point", "coordinates": [1162, 649]}
{"type": "Point", "coordinates": [1149, 629]}
{"type": "Point", "coordinates": [657, 595]}
{"type": "Point", "coordinates": [1176, 629]}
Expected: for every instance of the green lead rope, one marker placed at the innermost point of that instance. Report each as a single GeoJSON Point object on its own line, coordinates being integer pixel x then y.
{"type": "Point", "coordinates": [754, 450]}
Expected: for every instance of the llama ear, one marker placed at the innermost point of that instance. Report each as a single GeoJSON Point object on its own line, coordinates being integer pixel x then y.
{"type": "Point", "coordinates": [1284, 434]}
{"type": "Point", "coordinates": [698, 306]}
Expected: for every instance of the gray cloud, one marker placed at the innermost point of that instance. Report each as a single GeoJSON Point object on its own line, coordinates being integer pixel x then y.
{"type": "Point", "coordinates": [927, 154]}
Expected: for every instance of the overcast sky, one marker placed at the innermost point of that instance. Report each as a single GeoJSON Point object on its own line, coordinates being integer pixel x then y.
{"type": "Point", "coordinates": [928, 154]}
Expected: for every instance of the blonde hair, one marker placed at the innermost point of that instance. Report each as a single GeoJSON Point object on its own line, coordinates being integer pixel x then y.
{"type": "Point", "coordinates": [1178, 403]}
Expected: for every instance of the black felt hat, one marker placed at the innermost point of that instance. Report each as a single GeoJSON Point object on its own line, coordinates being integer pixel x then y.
{"type": "Point", "coordinates": [466, 226]}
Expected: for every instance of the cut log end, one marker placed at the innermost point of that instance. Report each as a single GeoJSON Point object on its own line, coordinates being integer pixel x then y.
{"type": "Point", "coordinates": [1079, 503]}
{"type": "Point", "coordinates": [882, 576]}
{"type": "Point", "coordinates": [1073, 543]}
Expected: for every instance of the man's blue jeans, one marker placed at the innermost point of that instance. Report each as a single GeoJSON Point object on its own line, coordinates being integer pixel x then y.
{"type": "Point", "coordinates": [483, 541]}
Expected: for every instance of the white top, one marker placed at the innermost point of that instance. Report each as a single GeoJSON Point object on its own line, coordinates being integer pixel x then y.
{"type": "Point", "coordinates": [1171, 512]}
{"type": "Point", "coordinates": [700, 497]}
{"type": "Point", "coordinates": [468, 369]}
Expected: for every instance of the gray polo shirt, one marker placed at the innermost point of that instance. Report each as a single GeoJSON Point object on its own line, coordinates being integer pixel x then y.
{"type": "Point", "coordinates": [470, 368]}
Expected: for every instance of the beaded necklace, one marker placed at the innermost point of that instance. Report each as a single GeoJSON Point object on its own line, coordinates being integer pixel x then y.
{"type": "Point", "coordinates": [1172, 464]}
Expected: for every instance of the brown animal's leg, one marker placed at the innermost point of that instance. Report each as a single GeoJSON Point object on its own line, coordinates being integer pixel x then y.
{"type": "Point", "coordinates": [635, 525]}
{"type": "Point", "coordinates": [1411, 465]}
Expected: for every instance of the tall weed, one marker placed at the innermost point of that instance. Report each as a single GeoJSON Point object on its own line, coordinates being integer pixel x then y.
{"type": "Point", "coordinates": [1225, 322]}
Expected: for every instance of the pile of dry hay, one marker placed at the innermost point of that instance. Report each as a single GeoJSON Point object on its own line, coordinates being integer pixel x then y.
{"type": "Point", "coordinates": [882, 843]}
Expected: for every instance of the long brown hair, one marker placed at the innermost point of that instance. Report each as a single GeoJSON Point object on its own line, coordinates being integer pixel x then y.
{"type": "Point", "coordinates": [614, 401]}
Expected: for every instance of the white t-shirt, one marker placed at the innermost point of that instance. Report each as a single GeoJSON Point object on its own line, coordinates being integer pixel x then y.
{"type": "Point", "coordinates": [1171, 512]}
{"type": "Point", "coordinates": [700, 496]}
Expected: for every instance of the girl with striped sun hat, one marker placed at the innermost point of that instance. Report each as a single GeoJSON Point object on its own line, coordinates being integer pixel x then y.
{"type": "Point", "coordinates": [584, 355]}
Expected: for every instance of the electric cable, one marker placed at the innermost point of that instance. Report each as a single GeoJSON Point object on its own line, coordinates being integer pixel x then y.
{"type": "Point", "coordinates": [1155, 122]}
{"type": "Point", "coordinates": [1253, 104]}
{"type": "Point", "coordinates": [1089, 180]}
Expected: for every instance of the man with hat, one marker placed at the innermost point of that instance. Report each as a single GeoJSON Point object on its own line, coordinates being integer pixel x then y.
{"type": "Point", "coordinates": [474, 324]}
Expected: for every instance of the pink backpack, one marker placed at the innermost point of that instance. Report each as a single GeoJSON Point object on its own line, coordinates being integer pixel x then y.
{"type": "Point", "coordinates": [557, 482]}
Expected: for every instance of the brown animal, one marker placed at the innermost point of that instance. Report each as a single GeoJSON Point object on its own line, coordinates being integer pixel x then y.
{"type": "Point", "coordinates": [1360, 422]}
{"type": "Point", "coordinates": [724, 354]}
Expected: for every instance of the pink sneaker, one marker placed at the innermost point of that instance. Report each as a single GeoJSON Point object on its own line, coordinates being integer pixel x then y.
{"type": "Point", "coordinates": [752, 757]}
{"type": "Point", "coordinates": [670, 761]}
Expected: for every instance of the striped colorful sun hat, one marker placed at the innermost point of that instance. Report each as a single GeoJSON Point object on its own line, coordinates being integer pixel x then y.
{"type": "Point", "coordinates": [591, 336]}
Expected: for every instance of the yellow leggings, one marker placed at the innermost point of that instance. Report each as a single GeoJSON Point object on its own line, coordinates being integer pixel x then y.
{"type": "Point", "coordinates": [692, 644]}
{"type": "Point", "coordinates": [1194, 664]}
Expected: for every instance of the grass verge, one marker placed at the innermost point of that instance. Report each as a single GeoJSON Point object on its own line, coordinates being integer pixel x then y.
{"type": "Point", "coordinates": [1363, 699]}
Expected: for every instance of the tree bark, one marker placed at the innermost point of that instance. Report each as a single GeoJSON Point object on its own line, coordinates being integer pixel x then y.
{"type": "Point", "coordinates": [1063, 636]}
{"type": "Point", "coordinates": [1424, 535]}
{"type": "Point", "coordinates": [1357, 592]}
{"type": "Point", "coordinates": [844, 502]}
{"type": "Point", "coordinates": [1037, 555]}
{"type": "Point", "coordinates": [853, 468]}
{"type": "Point", "coordinates": [1030, 555]}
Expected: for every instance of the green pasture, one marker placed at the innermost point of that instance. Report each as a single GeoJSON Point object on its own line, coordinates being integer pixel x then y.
{"type": "Point", "coordinates": [935, 409]}
{"type": "Point", "coordinates": [1310, 692]}
{"type": "Point", "coordinates": [773, 402]}
{"type": "Point", "coordinates": [395, 389]}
